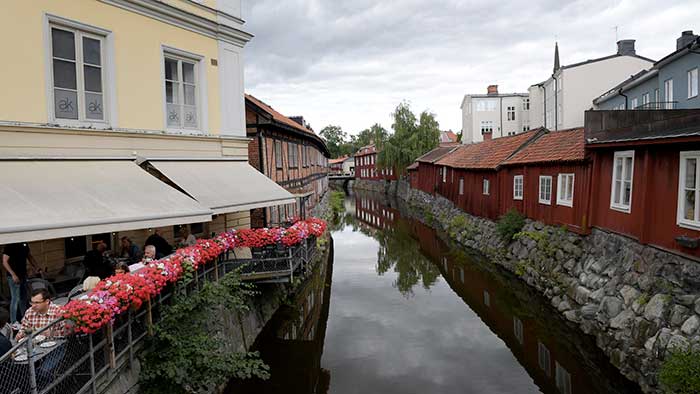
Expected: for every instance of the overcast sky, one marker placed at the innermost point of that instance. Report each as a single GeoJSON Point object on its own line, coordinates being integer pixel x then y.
{"type": "Point", "coordinates": [350, 62]}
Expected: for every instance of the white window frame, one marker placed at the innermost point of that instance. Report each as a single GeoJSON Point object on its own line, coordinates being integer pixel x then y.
{"type": "Point", "coordinates": [693, 83]}
{"type": "Point", "coordinates": [461, 186]}
{"type": "Point", "coordinates": [562, 183]}
{"type": "Point", "coordinates": [626, 208]}
{"type": "Point", "coordinates": [635, 103]}
{"type": "Point", "coordinates": [518, 192]}
{"type": "Point", "coordinates": [562, 378]}
{"type": "Point", "coordinates": [539, 195]}
{"type": "Point", "coordinates": [645, 99]}
{"type": "Point", "coordinates": [518, 331]}
{"type": "Point", "coordinates": [681, 221]}
{"type": "Point", "coordinates": [444, 174]}
{"type": "Point", "coordinates": [668, 93]}
{"type": "Point", "coordinates": [200, 82]}
{"type": "Point", "coordinates": [106, 38]}
{"type": "Point", "coordinates": [486, 187]}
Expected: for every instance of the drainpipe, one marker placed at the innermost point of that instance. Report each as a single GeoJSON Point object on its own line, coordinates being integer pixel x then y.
{"type": "Point", "coordinates": [623, 95]}
{"type": "Point", "coordinates": [556, 104]}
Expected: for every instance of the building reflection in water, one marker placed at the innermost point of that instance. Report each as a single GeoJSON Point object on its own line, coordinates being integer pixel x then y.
{"type": "Point", "coordinates": [557, 356]}
{"type": "Point", "coordinates": [291, 343]}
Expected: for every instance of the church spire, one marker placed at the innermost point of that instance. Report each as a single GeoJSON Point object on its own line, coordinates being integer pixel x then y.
{"type": "Point", "coordinates": [556, 57]}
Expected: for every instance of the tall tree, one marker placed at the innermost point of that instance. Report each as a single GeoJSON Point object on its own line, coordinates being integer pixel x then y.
{"type": "Point", "coordinates": [335, 138]}
{"type": "Point", "coordinates": [412, 137]}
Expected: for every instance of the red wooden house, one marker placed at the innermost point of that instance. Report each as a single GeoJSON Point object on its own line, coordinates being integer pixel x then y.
{"type": "Point", "coordinates": [547, 180]}
{"type": "Point", "coordinates": [645, 175]}
{"type": "Point", "coordinates": [424, 175]}
{"type": "Point", "coordinates": [367, 168]}
{"type": "Point", "coordinates": [468, 176]}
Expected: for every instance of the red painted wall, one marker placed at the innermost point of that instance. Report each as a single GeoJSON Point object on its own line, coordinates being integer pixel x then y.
{"type": "Point", "coordinates": [554, 214]}
{"type": "Point", "coordinates": [474, 201]}
{"type": "Point", "coordinates": [653, 214]}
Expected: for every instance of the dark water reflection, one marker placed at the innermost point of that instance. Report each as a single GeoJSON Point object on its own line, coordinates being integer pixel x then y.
{"type": "Point", "coordinates": [407, 313]}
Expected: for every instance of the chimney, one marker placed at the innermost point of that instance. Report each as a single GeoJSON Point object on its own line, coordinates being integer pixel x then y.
{"type": "Point", "coordinates": [298, 119]}
{"type": "Point", "coordinates": [492, 89]}
{"type": "Point", "coordinates": [626, 48]}
{"type": "Point", "coordinates": [686, 38]}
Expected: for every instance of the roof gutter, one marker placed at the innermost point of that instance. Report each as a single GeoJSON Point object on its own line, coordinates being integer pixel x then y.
{"type": "Point", "coordinates": [607, 96]}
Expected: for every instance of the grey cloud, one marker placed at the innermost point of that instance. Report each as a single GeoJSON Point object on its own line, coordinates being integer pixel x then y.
{"type": "Point", "coordinates": [350, 62]}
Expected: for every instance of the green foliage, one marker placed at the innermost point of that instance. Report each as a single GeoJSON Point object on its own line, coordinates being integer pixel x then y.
{"type": "Point", "coordinates": [680, 372]}
{"type": "Point", "coordinates": [337, 201]}
{"type": "Point", "coordinates": [189, 352]}
{"type": "Point", "coordinates": [412, 137]}
{"type": "Point", "coordinates": [521, 267]}
{"type": "Point", "coordinates": [335, 138]}
{"type": "Point", "coordinates": [510, 224]}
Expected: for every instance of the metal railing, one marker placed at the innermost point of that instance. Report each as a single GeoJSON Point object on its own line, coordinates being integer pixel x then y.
{"type": "Point", "coordinates": [658, 105]}
{"type": "Point", "coordinates": [88, 363]}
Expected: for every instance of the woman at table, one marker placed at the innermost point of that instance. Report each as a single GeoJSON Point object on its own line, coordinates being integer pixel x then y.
{"type": "Point", "coordinates": [5, 344]}
{"type": "Point", "coordinates": [186, 238]}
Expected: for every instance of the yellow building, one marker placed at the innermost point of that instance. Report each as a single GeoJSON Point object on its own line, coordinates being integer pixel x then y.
{"type": "Point", "coordinates": [121, 116]}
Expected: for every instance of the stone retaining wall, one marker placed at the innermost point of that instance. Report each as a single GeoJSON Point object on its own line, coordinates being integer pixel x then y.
{"type": "Point", "coordinates": [638, 301]}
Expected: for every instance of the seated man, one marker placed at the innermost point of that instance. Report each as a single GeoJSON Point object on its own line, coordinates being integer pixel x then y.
{"type": "Point", "coordinates": [5, 344]}
{"type": "Point", "coordinates": [95, 262]}
{"type": "Point", "coordinates": [149, 254]}
{"type": "Point", "coordinates": [42, 312]}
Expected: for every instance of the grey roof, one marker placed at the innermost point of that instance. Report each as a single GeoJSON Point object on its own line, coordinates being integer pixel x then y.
{"type": "Point", "coordinates": [601, 59]}
{"type": "Point", "coordinates": [634, 135]}
{"type": "Point", "coordinates": [436, 154]}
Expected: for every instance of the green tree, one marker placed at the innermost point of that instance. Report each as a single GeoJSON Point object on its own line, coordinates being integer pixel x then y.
{"type": "Point", "coordinates": [412, 137]}
{"type": "Point", "coordinates": [335, 139]}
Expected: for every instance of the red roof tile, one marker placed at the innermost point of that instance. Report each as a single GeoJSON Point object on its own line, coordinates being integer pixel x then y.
{"type": "Point", "coordinates": [277, 116]}
{"type": "Point", "coordinates": [338, 160]}
{"type": "Point", "coordinates": [366, 150]}
{"type": "Point", "coordinates": [488, 154]}
{"type": "Point", "coordinates": [436, 154]}
{"type": "Point", "coordinates": [555, 146]}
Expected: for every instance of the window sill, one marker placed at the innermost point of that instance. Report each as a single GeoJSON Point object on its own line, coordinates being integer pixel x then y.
{"type": "Point", "coordinates": [545, 202]}
{"type": "Point", "coordinates": [184, 131]}
{"type": "Point", "coordinates": [692, 97]}
{"type": "Point", "coordinates": [82, 124]}
{"type": "Point", "coordinates": [566, 203]}
{"type": "Point", "coordinates": [517, 198]}
{"type": "Point", "coordinates": [689, 225]}
{"type": "Point", "coordinates": [621, 209]}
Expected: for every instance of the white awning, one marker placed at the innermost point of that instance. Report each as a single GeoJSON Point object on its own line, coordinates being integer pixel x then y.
{"type": "Point", "coordinates": [224, 186]}
{"type": "Point", "coordinates": [45, 199]}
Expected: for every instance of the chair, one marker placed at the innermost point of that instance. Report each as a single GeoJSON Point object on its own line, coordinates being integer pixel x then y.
{"type": "Point", "coordinates": [39, 283]}
{"type": "Point", "coordinates": [77, 290]}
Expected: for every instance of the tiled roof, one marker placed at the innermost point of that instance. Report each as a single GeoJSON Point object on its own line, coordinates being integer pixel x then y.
{"type": "Point", "coordinates": [338, 160]}
{"type": "Point", "coordinates": [448, 136]}
{"type": "Point", "coordinates": [366, 150]}
{"type": "Point", "coordinates": [555, 146]}
{"type": "Point", "coordinates": [277, 116]}
{"type": "Point", "coordinates": [488, 154]}
{"type": "Point", "coordinates": [436, 154]}
{"type": "Point", "coordinates": [413, 166]}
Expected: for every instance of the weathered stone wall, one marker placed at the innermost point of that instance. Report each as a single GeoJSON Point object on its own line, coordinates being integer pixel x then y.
{"type": "Point", "coordinates": [638, 301]}
{"type": "Point", "coordinates": [382, 186]}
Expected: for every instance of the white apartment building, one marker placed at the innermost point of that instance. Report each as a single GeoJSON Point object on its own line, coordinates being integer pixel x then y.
{"type": "Point", "coordinates": [494, 115]}
{"type": "Point", "coordinates": [560, 101]}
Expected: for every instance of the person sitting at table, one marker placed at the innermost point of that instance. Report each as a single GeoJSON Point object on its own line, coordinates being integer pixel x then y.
{"type": "Point", "coordinates": [130, 250]}
{"type": "Point", "coordinates": [90, 283]}
{"type": "Point", "coordinates": [40, 315]}
{"type": "Point", "coordinates": [121, 268]}
{"type": "Point", "coordinates": [95, 262]}
{"type": "Point", "coordinates": [149, 254]}
{"type": "Point", "coordinates": [186, 238]}
{"type": "Point", "coordinates": [5, 343]}
{"type": "Point", "coordinates": [162, 246]}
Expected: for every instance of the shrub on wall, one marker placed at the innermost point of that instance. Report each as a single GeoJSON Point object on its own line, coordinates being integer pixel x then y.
{"type": "Point", "coordinates": [680, 373]}
{"type": "Point", "coordinates": [510, 224]}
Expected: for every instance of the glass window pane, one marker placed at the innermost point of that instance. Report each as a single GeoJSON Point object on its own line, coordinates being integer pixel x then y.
{"type": "Point", "coordinates": [171, 92]}
{"type": "Point", "coordinates": [570, 188]}
{"type": "Point", "coordinates": [171, 69]}
{"type": "Point", "coordinates": [63, 44]}
{"type": "Point", "coordinates": [628, 168]}
{"type": "Point", "coordinates": [93, 106]}
{"type": "Point", "coordinates": [65, 104]}
{"type": "Point", "coordinates": [93, 78]}
{"type": "Point", "coordinates": [618, 168]}
{"type": "Point", "coordinates": [690, 166]}
{"type": "Point", "coordinates": [91, 51]}
{"type": "Point", "coordinates": [188, 72]}
{"type": "Point", "coordinates": [64, 74]}
{"type": "Point", "coordinates": [189, 94]}
{"type": "Point", "coordinates": [616, 191]}
{"type": "Point", "coordinates": [689, 205]}
{"type": "Point", "coordinates": [174, 116]}
{"type": "Point", "coordinates": [190, 116]}
{"type": "Point", "coordinates": [627, 193]}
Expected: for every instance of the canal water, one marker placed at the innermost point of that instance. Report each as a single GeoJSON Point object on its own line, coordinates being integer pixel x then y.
{"type": "Point", "coordinates": [397, 310]}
